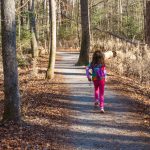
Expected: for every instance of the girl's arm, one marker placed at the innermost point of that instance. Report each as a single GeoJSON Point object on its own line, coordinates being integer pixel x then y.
{"type": "Point", "coordinates": [105, 74]}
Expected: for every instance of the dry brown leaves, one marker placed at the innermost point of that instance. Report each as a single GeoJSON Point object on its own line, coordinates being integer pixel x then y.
{"type": "Point", "coordinates": [140, 95]}
{"type": "Point", "coordinates": [44, 112]}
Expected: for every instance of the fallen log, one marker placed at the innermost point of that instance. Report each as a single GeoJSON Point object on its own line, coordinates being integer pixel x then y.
{"type": "Point", "coordinates": [109, 54]}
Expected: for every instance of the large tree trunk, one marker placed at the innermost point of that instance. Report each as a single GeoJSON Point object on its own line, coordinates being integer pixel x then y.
{"type": "Point", "coordinates": [148, 22]}
{"type": "Point", "coordinates": [51, 65]}
{"type": "Point", "coordinates": [11, 88]}
{"type": "Point", "coordinates": [85, 43]}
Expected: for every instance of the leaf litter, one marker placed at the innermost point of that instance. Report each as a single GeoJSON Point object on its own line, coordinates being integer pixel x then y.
{"type": "Point", "coordinates": [139, 94]}
{"type": "Point", "coordinates": [44, 114]}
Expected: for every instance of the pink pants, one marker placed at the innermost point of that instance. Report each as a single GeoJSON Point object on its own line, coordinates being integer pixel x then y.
{"type": "Point", "coordinates": [99, 91]}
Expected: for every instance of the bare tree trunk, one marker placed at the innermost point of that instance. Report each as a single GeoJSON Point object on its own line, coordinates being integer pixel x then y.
{"type": "Point", "coordinates": [52, 56]}
{"type": "Point", "coordinates": [78, 24]}
{"type": "Point", "coordinates": [20, 20]}
{"type": "Point", "coordinates": [59, 17]}
{"type": "Point", "coordinates": [44, 23]}
{"type": "Point", "coordinates": [28, 16]}
{"type": "Point", "coordinates": [91, 31]}
{"type": "Point", "coordinates": [19, 33]}
{"type": "Point", "coordinates": [48, 27]}
{"type": "Point", "coordinates": [21, 17]}
{"type": "Point", "coordinates": [144, 13]}
{"type": "Point", "coordinates": [34, 45]}
{"type": "Point", "coordinates": [85, 44]}
{"type": "Point", "coordinates": [148, 22]}
{"type": "Point", "coordinates": [11, 88]}
{"type": "Point", "coordinates": [120, 14]}
{"type": "Point", "coordinates": [107, 21]}
{"type": "Point", "coordinates": [127, 14]}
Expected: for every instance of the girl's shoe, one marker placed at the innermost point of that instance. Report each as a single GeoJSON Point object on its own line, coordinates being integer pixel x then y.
{"type": "Point", "coordinates": [102, 110]}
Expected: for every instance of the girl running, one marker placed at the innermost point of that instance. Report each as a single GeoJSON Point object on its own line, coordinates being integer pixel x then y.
{"type": "Point", "coordinates": [97, 66]}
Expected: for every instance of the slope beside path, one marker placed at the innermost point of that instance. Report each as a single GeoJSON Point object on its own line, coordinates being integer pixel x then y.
{"type": "Point", "coordinates": [121, 127]}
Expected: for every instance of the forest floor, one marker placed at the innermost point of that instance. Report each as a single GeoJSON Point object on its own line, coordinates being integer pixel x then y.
{"type": "Point", "coordinates": [59, 114]}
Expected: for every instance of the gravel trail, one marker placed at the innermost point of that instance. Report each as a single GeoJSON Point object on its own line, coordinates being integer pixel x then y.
{"type": "Point", "coordinates": [120, 128]}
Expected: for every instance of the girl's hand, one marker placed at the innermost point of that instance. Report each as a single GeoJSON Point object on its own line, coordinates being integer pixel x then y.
{"type": "Point", "coordinates": [89, 79]}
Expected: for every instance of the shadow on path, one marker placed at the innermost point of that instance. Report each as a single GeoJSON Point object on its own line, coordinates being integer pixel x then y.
{"type": "Point", "coordinates": [119, 128]}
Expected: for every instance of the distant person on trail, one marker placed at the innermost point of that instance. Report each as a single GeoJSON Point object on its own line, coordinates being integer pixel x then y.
{"type": "Point", "coordinates": [97, 70]}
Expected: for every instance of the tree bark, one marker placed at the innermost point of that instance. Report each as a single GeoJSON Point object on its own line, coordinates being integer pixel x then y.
{"type": "Point", "coordinates": [19, 34]}
{"type": "Point", "coordinates": [11, 88]}
{"type": "Point", "coordinates": [46, 23]}
{"type": "Point", "coordinates": [52, 56]}
{"type": "Point", "coordinates": [78, 23]}
{"type": "Point", "coordinates": [144, 13]}
{"type": "Point", "coordinates": [120, 15]}
{"type": "Point", "coordinates": [34, 45]}
{"type": "Point", "coordinates": [48, 27]}
{"type": "Point", "coordinates": [22, 9]}
{"type": "Point", "coordinates": [59, 17]}
{"type": "Point", "coordinates": [148, 22]}
{"type": "Point", "coordinates": [85, 43]}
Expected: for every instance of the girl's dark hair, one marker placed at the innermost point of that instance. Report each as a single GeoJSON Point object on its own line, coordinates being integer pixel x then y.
{"type": "Point", "coordinates": [98, 58]}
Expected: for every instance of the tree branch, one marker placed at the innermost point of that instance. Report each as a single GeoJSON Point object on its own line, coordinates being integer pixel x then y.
{"type": "Point", "coordinates": [22, 6]}
{"type": "Point", "coordinates": [120, 37]}
{"type": "Point", "coordinates": [98, 3]}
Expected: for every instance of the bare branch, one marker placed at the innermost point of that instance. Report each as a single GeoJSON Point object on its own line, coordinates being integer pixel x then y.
{"type": "Point", "coordinates": [98, 3]}
{"type": "Point", "coordinates": [120, 37]}
{"type": "Point", "coordinates": [17, 10]}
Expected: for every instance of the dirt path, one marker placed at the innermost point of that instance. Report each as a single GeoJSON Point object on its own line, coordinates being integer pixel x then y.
{"type": "Point", "coordinates": [120, 128]}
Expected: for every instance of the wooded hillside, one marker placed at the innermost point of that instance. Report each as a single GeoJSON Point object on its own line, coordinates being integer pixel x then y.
{"type": "Point", "coordinates": [46, 101]}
